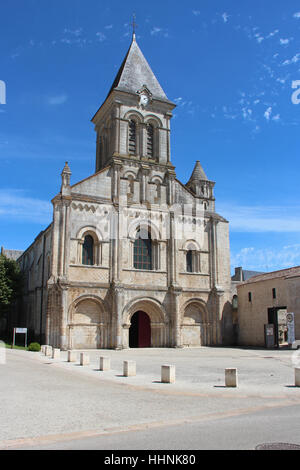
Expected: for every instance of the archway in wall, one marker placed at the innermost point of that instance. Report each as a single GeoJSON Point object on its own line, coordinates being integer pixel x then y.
{"type": "Point", "coordinates": [194, 327]}
{"type": "Point", "coordinates": [88, 326]}
{"type": "Point", "coordinates": [140, 330]}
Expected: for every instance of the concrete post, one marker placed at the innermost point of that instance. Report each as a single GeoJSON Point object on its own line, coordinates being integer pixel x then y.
{"type": "Point", "coordinates": [48, 350]}
{"type": "Point", "coordinates": [231, 379]}
{"type": "Point", "coordinates": [297, 377]}
{"type": "Point", "coordinates": [84, 359]}
{"type": "Point", "coordinates": [104, 363]}
{"type": "Point", "coordinates": [168, 374]}
{"type": "Point", "coordinates": [55, 353]}
{"type": "Point", "coordinates": [72, 356]}
{"type": "Point", "coordinates": [129, 368]}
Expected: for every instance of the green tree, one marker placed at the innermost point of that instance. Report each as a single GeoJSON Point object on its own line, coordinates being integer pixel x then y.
{"type": "Point", "coordinates": [11, 282]}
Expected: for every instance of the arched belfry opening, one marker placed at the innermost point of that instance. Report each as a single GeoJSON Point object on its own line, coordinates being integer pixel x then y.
{"type": "Point", "coordinates": [140, 330]}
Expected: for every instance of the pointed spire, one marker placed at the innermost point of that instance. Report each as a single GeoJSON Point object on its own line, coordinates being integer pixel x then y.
{"type": "Point", "coordinates": [135, 72]}
{"type": "Point", "coordinates": [198, 173]}
{"type": "Point", "coordinates": [65, 179]}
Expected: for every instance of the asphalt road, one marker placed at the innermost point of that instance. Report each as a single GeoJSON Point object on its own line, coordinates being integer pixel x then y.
{"type": "Point", "coordinates": [53, 404]}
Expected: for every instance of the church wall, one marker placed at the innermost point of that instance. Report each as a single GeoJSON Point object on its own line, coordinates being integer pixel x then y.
{"type": "Point", "coordinates": [35, 264]}
{"type": "Point", "coordinates": [98, 185]}
{"type": "Point", "coordinates": [223, 251]}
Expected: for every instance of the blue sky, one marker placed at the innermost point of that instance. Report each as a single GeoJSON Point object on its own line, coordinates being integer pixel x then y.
{"type": "Point", "coordinates": [228, 65]}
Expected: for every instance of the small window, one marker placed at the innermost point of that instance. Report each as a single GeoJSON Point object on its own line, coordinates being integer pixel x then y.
{"type": "Point", "coordinates": [189, 261]}
{"type": "Point", "coordinates": [150, 141]}
{"type": "Point", "coordinates": [250, 296]}
{"type": "Point", "coordinates": [274, 293]}
{"type": "Point", "coordinates": [132, 138]}
{"type": "Point", "coordinates": [88, 250]}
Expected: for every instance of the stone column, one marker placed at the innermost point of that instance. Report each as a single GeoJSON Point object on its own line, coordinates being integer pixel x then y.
{"type": "Point", "coordinates": [117, 292]}
{"type": "Point", "coordinates": [175, 316]}
{"type": "Point", "coordinates": [64, 319]}
{"type": "Point", "coordinates": [171, 175]}
{"type": "Point", "coordinates": [144, 183]}
{"type": "Point", "coordinates": [143, 142]}
{"type": "Point", "coordinates": [116, 130]}
{"type": "Point", "coordinates": [115, 181]}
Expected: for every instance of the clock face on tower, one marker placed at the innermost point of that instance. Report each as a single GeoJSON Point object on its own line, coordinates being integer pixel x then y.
{"type": "Point", "coordinates": [144, 99]}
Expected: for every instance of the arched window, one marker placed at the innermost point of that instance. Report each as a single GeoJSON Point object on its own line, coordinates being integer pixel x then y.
{"type": "Point", "coordinates": [192, 261]}
{"type": "Point", "coordinates": [132, 138]}
{"type": "Point", "coordinates": [189, 261]}
{"type": "Point", "coordinates": [88, 250]}
{"type": "Point", "coordinates": [150, 141]}
{"type": "Point", "coordinates": [142, 254]}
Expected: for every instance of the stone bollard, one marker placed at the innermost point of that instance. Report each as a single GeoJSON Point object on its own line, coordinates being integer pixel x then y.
{"type": "Point", "coordinates": [231, 378]}
{"type": "Point", "coordinates": [48, 350]}
{"type": "Point", "coordinates": [43, 348]}
{"type": "Point", "coordinates": [129, 368]}
{"type": "Point", "coordinates": [104, 363]}
{"type": "Point", "coordinates": [72, 356]}
{"type": "Point", "coordinates": [55, 353]}
{"type": "Point", "coordinates": [168, 374]}
{"type": "Point", "coordinates": [297, 377]}
{"type": "Point", "coordinates": [84, 359]}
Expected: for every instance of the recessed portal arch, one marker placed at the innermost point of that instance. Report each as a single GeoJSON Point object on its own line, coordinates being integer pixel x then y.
{"type": "Point", "coordinates": [145, 324]}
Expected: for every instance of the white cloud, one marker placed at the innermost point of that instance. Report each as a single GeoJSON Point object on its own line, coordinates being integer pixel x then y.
{"type": "Point", "coordinates": [109, 26]}
{"type": "Point", "coordinates": [273, 33]}
{"type": "Point", "coordinates": [261, 218]}
{"type": "Point", "coordinates": [297, 15]}
{"type": "Point", "coordinates": [196, 12]}
{"type": "Point", "coordinates": [101, 36]}
{"type": "Point", "coordinates": [15, 204]}
{"type": "Point", "coordinates": [293, 60]}
{"type": "Point", "coordinates": [284, 41]}
{"type": "Point", "coordinates": [265, 259]}
{"type": "Point", "coordinates": [225, 17]}
{"type": "Point", "coordinates": [267, 113]}
{"type": "Point", "coordinates": [74, 32]}
{"type": "Point", "coordinates": [57, 100]}
{"type": "Point", "coordinates": [178, 100]}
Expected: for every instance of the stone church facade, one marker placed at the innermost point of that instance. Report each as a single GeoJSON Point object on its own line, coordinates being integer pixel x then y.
{"type": "Point", "coordinates": [133, 257]}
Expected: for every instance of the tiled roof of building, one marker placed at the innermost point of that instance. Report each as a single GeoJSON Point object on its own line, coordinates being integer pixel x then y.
{"type": "Point", "coordinates": [241, 274]}
{"type": "Point", "coordinates": [274, 274]}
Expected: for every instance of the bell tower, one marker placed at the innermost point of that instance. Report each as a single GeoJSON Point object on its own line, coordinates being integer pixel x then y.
{"type": "Point", "coordinates": [133, 123]}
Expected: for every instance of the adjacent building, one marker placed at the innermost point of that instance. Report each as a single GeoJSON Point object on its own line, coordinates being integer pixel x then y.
{"type": "Point", "coordinates": [266, 299]}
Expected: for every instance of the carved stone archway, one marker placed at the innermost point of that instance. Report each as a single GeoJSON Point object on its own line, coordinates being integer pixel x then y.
{"type": "Point", "coordinates": [158, 320]}
{"type": "Point", "coordinates": [88, 323]}
{"type": "Point", "coordinates": [195, 327]}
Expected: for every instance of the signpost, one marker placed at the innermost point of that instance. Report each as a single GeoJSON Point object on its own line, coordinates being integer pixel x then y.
{"type": "Point", "coordinates": [21, 331]}
{"type": "Point", "coordinates": [269, 335]}
{"type": "Point", "coordinates": [290, 320]}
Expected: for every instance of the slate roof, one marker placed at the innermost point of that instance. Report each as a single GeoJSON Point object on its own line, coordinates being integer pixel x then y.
{"type": "Point", "coordinates": [136, 72]}
{"type": "Point", "coordinates": [275, 274]}
{"type": "Point", "coordinates": [198, 173]}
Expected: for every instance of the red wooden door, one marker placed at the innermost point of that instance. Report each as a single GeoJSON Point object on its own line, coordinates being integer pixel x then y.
{"type": "Point", "coordinates": [144, 334]}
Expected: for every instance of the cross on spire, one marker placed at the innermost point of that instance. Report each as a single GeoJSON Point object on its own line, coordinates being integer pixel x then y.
{"type": "Point", "coordinates": [134, 25]}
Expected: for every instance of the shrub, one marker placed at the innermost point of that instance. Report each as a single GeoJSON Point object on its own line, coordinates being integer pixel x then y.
{"type": "Point", "coordinates": [34, 347]}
